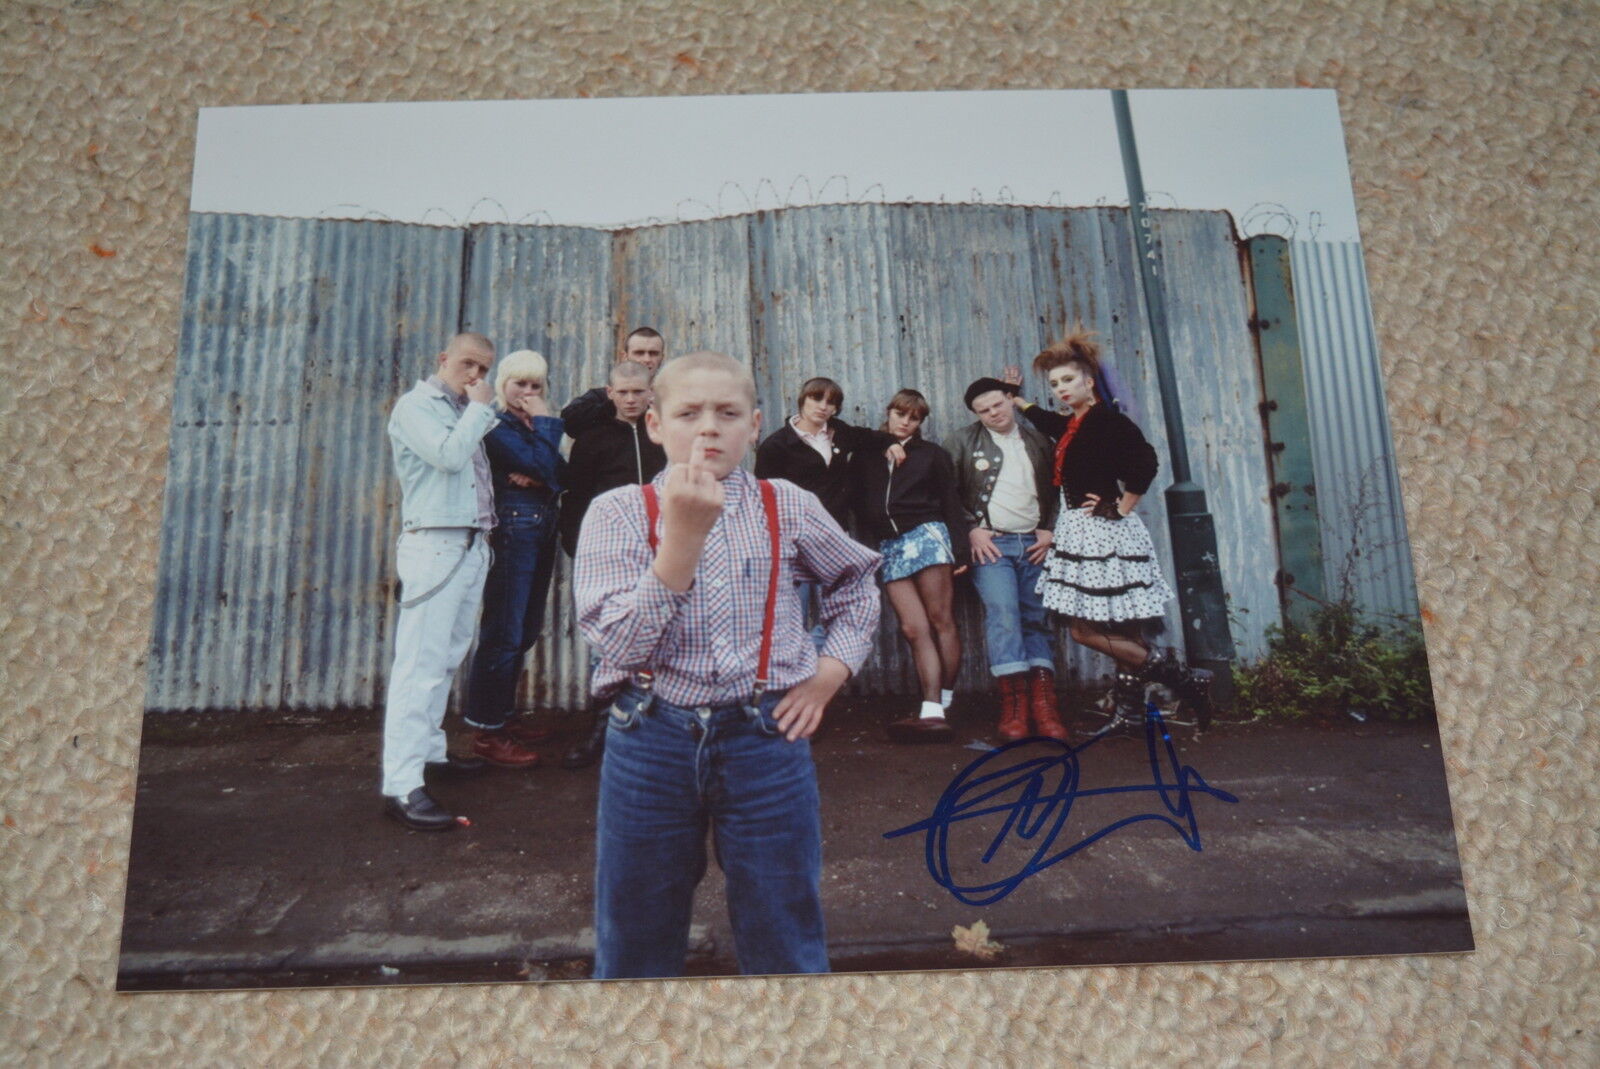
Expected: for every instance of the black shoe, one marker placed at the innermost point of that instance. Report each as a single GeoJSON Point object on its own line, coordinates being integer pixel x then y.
{"type": "Point", "coordinates": [1196, 694]}
{"type": "Point", "coordinates": [453, 767]}
{"type": "Point", "coordinates": [418, 811]}
{"type": "Point", "coordinates": [586, 751]}
{"type": "Point", "coordinates": [919, 729]}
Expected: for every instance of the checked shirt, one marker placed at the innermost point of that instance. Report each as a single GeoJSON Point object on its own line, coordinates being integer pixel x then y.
{"type": "Point", "coordinates": [702, 643]}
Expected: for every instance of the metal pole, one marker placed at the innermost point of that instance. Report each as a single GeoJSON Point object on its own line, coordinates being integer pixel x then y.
{"type": "Point", "coordinates": [1201, 602]}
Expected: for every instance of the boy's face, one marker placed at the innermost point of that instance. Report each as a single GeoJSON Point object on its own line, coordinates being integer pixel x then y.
{"type": "Point", "coordinates": [995, 410]}
{"type": "Point", "coordinates": [706, 415]}
{"type": "Point", "coordinates": [631, 396]}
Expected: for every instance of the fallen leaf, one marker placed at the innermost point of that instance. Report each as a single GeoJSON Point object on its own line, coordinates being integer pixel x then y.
{"type": "Point", "coordinates": [102, 252]}
{"type": "Point", "coordinates": [976, 941]}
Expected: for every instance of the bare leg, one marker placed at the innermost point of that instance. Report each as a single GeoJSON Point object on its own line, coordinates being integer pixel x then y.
{"type": "Point", "coordinates": [935, 586]}
{"type": "Point", "coordinates": [1112, 639]}
{"type": "Point", "coordinates": [914, 626]}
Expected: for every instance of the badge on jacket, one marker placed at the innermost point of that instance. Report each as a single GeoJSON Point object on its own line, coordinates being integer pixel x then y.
{"type": "Point", "coordinates": [982, 463]}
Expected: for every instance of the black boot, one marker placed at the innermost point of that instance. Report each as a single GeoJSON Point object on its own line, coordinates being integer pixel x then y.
{"type": "Point", "coordinates": [1191, 686]}
{"type": "Point", "coordinates": [1127, 718]}
{"type": "Point", "coordinates": [586, 751]}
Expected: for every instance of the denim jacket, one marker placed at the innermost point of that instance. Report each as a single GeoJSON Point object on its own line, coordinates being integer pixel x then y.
{"type": "Point", "coordinates": [513, 446]}
{"type": "Point", "coordinates": [433, 450]}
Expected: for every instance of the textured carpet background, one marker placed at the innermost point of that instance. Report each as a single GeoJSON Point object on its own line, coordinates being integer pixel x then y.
{"type": "Point", "coordinates": [1472, 128]}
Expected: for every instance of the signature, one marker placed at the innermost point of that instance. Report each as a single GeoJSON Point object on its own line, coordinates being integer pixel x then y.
{"type": "Point", "coordinates": [1036, 809]}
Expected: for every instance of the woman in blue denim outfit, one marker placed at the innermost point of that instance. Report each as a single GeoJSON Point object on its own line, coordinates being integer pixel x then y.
{"type": "Point", "coordinates": [524, 454]}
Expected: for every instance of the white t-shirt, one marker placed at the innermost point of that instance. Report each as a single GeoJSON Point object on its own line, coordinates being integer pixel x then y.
{"type": "Point", "coordinates": [1014, 504]}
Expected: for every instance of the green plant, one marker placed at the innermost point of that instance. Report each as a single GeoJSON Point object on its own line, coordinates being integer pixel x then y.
{"type": "Point", "coordinates": [1338, 663]}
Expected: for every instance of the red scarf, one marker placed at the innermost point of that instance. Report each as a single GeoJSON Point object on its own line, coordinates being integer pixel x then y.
{"type": "Point", "coordinates": [1073, 424]}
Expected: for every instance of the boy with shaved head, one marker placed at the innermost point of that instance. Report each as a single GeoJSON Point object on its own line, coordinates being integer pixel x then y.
{"type": "Point", "coordinates": [686, 589]}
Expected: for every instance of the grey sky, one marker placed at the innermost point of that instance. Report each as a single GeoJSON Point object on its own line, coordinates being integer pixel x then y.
{"type": "Point", "coordinates": [627, 161]}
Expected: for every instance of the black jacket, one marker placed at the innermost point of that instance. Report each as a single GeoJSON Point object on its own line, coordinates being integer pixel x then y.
{"type": "Point", "coordinates": [783, 455]}
{"type": "Point", "coordinates": [587, 411]}
{"type": "Point", "coordinates": [921, 490]}
{"type": "Point", "coordinates": [608, 455]}
{"type": "Point", "coordinates": [1108, 450]}
{"type": "Point", "coordinates": [978, 461]}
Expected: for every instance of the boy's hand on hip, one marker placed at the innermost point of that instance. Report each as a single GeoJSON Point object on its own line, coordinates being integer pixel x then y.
{"type": "Point", "coordinates": [800, 711]}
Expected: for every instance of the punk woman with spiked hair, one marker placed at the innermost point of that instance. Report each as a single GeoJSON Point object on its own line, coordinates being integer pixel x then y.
{"type": "Point", "coordinates": [1102, 572]}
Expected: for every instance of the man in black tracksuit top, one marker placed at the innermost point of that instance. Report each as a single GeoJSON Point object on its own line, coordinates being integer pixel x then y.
{"type": "Point", "coordinates": [643, 345]}
{"type": "Point", "coordinates": [613, 452]}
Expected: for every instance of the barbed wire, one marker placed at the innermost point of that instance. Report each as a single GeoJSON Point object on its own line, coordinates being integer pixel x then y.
{"type": "Point", "coordinates": [735, 198]}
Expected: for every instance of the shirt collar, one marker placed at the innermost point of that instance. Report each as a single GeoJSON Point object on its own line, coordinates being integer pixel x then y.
{"type": "Point", "coordinates": [439, 389]}
{"type": "Point", "coordinates": [825, 435]}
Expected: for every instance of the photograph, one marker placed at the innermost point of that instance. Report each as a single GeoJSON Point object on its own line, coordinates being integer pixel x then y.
{"type": "Point", "coordinates": [767, 535]}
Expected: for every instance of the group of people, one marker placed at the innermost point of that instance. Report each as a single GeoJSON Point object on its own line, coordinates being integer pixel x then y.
{"type": "Point", "coordinates": [725, 609]}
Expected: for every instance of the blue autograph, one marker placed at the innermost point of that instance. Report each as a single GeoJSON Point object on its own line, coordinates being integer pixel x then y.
{"type": "Point", "coordinates": [1019, 792]}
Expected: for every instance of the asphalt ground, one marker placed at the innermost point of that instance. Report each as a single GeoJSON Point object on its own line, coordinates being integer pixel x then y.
{"type": "Point", "coordinates": [260, 858]}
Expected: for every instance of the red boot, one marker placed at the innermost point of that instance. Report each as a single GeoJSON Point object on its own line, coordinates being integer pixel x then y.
{"type": "Point", "coordinates": [1042, 705]}
{"type": "Point", "coordinates": [1013, 706]}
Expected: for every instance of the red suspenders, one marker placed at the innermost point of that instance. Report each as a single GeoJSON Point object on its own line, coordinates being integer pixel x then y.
{"type": "Point", "coordinates": [769, 504]}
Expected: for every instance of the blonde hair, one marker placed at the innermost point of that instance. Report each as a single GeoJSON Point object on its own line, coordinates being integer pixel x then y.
{"type": "Point", "coordinates": [522, 364]}
{"type": "Point", "coordinates": [679, 366]}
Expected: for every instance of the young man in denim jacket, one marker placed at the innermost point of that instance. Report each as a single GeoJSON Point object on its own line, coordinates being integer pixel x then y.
{"type": "Point", "coordinates": [447, 510]}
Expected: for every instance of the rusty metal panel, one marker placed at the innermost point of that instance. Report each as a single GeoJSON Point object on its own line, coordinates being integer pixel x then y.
{"type": "Point", "coordinates": [691, 281]}
{"type": "Point", "coordinates": [382, 304]}
{"type": "Point", "coordinates": [1367, 552]}
{"type": "Point", "coordinates": [1286, 418]}
{"type": "Point", "coordinates": [548, 289]}
{"type": "Point", "coordinates": [272, 589]}
{"type": "Point", "coordinates": [1219, 384]}
{"type": "Point", "coordinates": [276, 570]}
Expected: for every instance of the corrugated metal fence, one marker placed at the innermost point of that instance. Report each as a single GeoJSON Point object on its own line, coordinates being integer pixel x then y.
{"type": "Point", "coordinates": [275, 586]}
{"type": "Point", "coordinates": [1365, 549]}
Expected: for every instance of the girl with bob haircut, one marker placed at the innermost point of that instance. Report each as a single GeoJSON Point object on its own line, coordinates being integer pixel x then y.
{"type": "Point", "coordinates": [1102, 572]}
{"type": "Point", "coordinates": [813, 451]}
{"type": "Point", "coordinates": [524, 449]}
{"type": "Point", "coordinates": [912, 511]}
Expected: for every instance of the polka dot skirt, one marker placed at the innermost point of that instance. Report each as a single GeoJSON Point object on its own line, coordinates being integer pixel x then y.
{"type": "Point", "coordinates": [1101, 569]}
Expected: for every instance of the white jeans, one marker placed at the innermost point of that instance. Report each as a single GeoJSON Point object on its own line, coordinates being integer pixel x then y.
{"type": "Point", "coordinates": [430, 641]}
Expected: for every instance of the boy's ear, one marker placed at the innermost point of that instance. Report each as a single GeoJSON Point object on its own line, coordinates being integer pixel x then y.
{"type": "Point", "coordinates": [652, 424]}
{"type": "Point", "coordinates": [755, 426]}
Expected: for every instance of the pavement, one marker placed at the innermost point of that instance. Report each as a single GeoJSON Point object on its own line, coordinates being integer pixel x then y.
{"type": "Point", "coordinates": [259, 857]}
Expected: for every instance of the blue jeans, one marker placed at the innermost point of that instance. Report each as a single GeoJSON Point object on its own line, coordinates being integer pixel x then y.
{"type": "Point", "coordinates": [671, 772]}
{"type": "Point", "coordinates": [1016, 629]}
{"type": "Point", "coordinates": [810, 594]}
{"type": "Point", "coordinates": [514, 598]}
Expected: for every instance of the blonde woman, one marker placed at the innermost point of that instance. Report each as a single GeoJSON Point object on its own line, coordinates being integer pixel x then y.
{"type": "Point", "coordinates": [524, 455]}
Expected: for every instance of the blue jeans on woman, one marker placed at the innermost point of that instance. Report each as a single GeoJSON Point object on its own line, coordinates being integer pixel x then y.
{"type": "Point", "coordinates": [514, 597]}
{"type": "Point", "coordinates": [670, 772]}
{"type": "Point", "coordinates": [1015, 626]}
